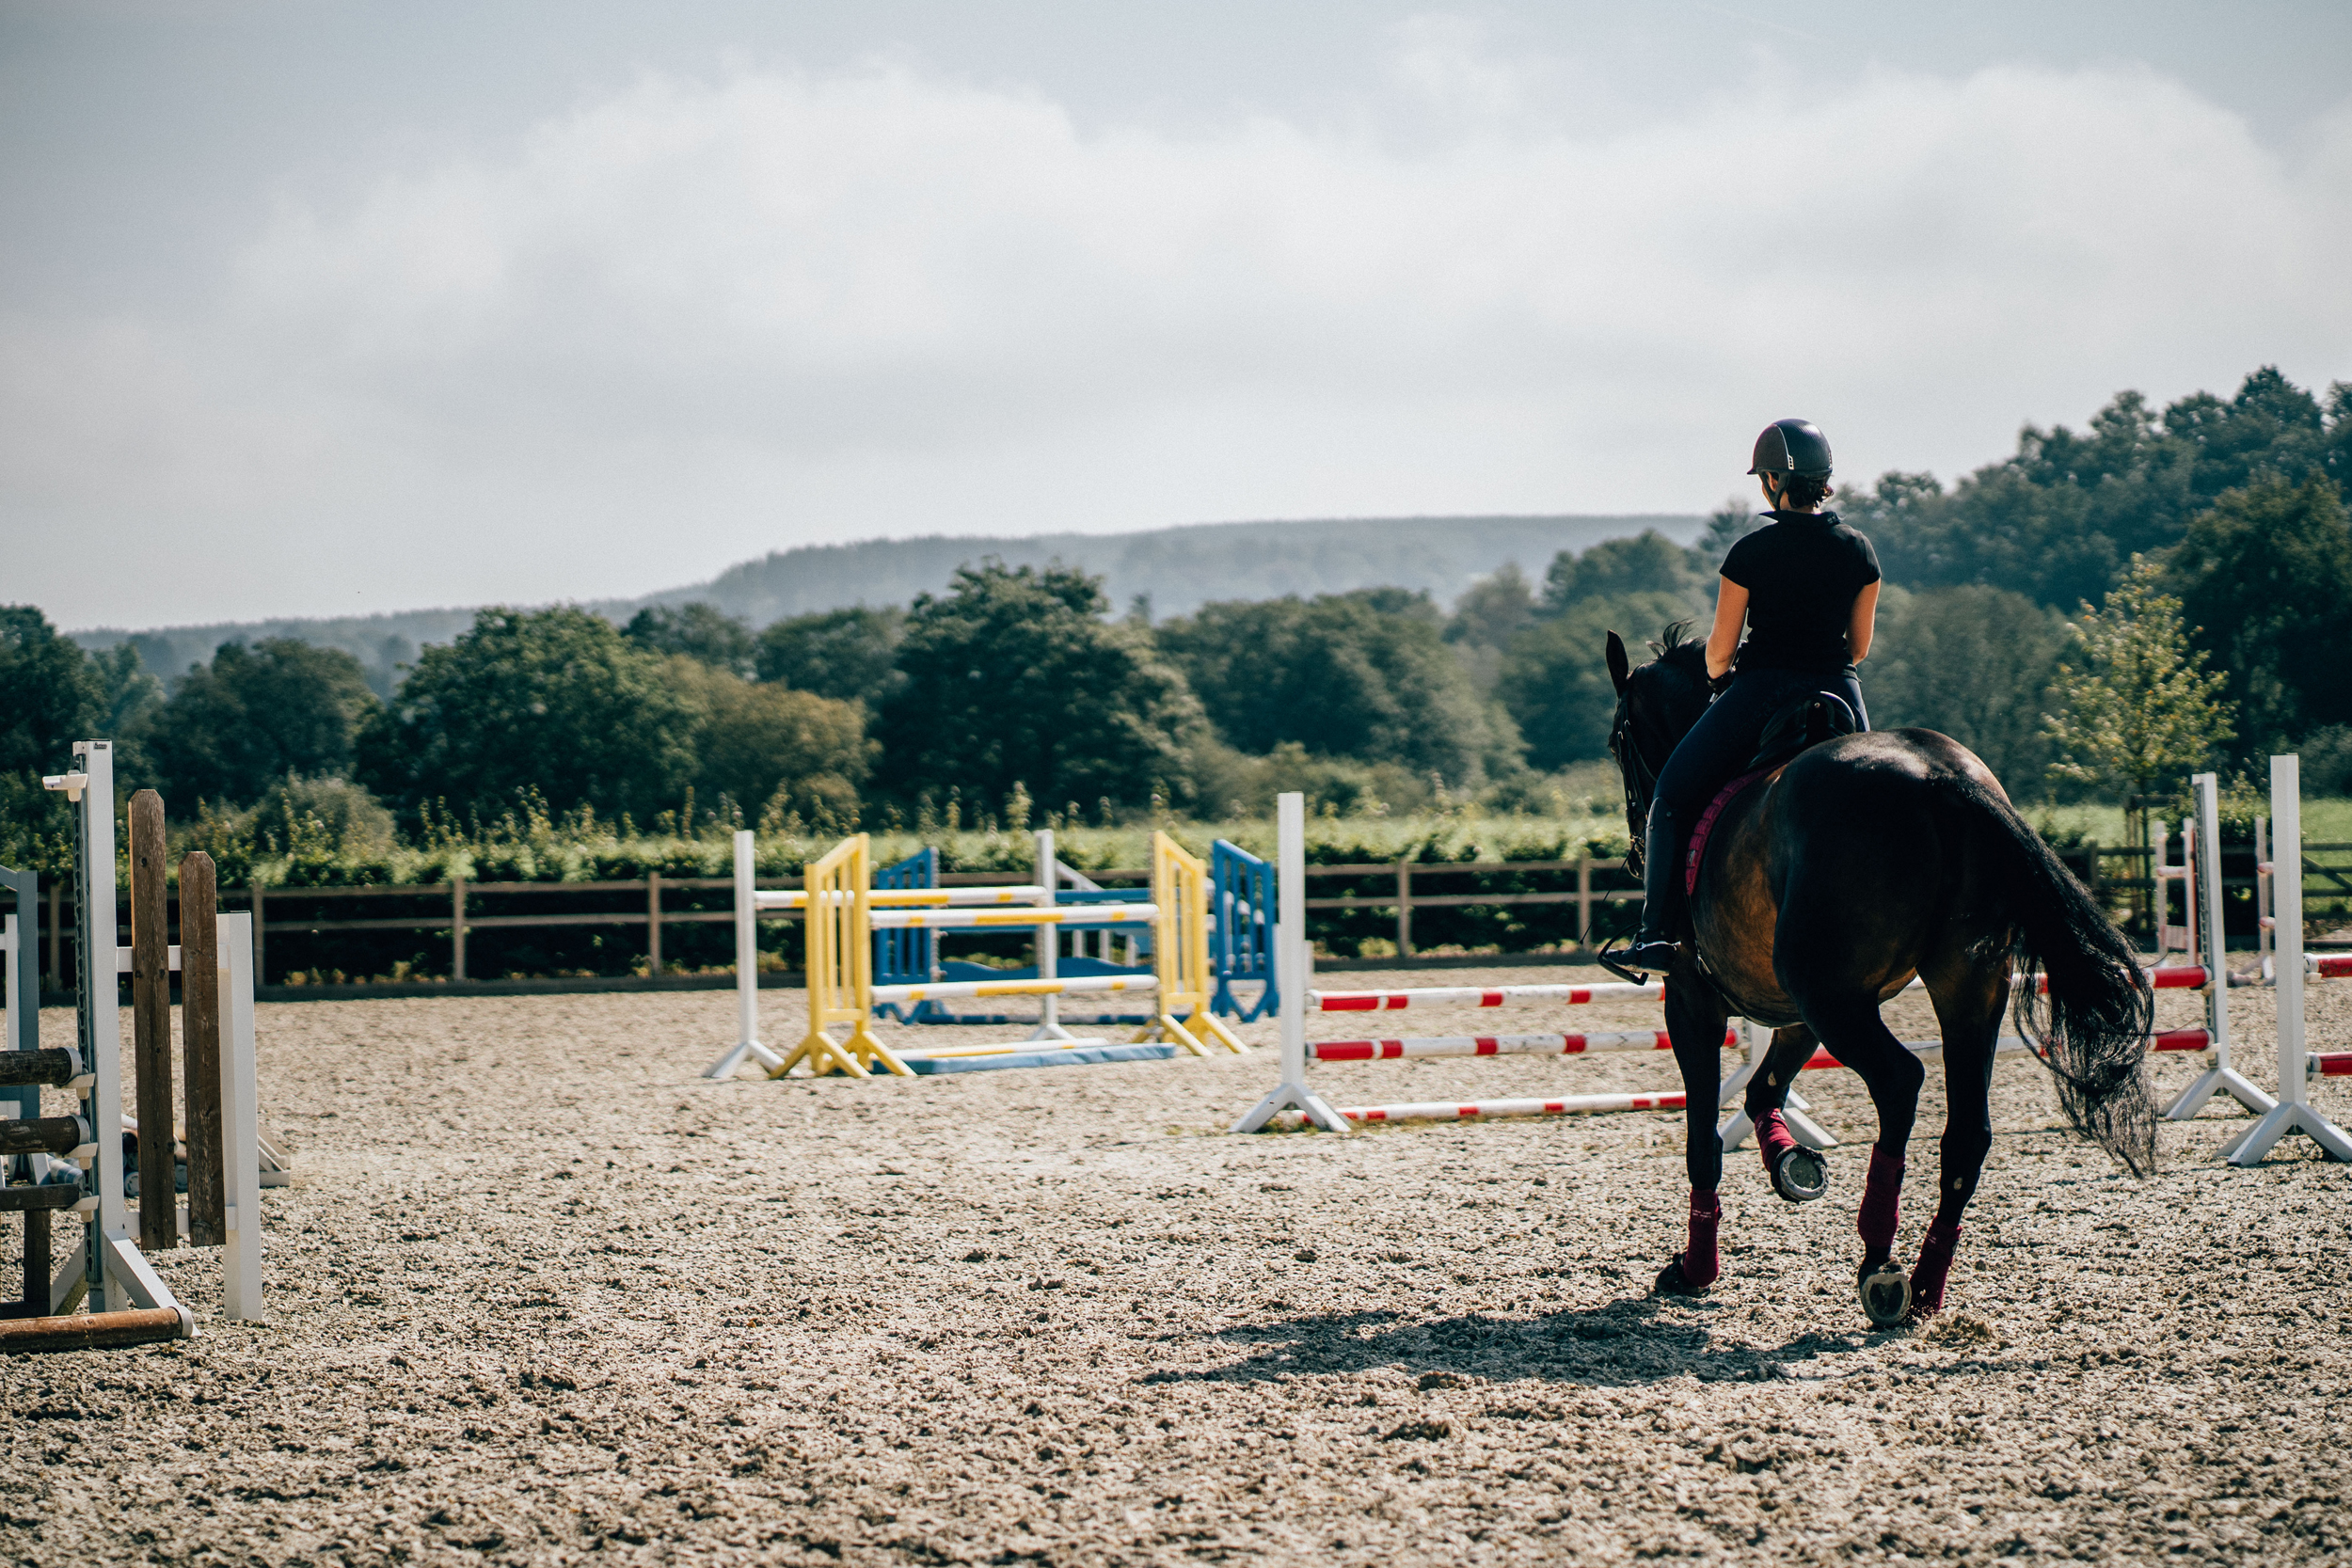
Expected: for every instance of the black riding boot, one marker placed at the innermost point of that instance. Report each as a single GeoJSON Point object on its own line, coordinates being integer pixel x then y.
{"type": "Point", "coordinates": [1664, 903]}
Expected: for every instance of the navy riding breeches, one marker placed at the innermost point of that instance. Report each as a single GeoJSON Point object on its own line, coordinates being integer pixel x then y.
{"type": "Point", "coordinates": [1727, 735]}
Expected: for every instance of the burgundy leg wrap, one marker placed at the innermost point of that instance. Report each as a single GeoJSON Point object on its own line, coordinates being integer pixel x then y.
{"type": "Point", "coordinates": [1701, 1262]}
{"type": "Point", "coordinates": [1882, 1202]}
{"type": "Point", "coordinates": [1772, 1139]}
{"type": "Point", "coordinates": [1935, 1266]}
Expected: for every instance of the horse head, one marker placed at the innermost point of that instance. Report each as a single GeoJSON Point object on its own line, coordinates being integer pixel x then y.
{"type": "Point", "coordinates": [1656, 704]}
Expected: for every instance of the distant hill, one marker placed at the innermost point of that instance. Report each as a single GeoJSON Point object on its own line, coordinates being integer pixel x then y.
{"type": "Point", "coordinates": [1179, 569]}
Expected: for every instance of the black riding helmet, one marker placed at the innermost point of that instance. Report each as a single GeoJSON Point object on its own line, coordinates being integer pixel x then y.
{"type": "Point", "coordinates": [1792, 446]}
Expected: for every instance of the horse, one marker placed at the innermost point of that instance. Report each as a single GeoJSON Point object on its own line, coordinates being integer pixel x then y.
{"type": "Point", "coordinates": [1823, 886]}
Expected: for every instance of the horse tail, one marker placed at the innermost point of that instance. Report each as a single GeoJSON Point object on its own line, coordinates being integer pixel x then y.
{"type": "Point", "coordinates": [2101, 1008]}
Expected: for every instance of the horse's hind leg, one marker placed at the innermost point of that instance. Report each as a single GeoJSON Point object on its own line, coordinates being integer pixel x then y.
{"type": "Point", "coordinates": [1848, 1024]}
{"type": "Point", "coordinates": [1968, 1008]}
{"type": "Point", "coordinates": [1797, 1173]}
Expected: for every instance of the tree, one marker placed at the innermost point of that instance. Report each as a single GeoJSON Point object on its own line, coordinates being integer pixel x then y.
{"type": "Point", "coordinates": [2139, 707]}
{"type": "Point", "coordinates": [1555, 677]}
{"type": "Point", "coordinates": [1725, 525]}
{"type": "Point", "coordinates": [555, 702]}
{"type": "Point", "coordinates": [1647, 564]}
{"type": "Point", "coordinates": [1013, 677]}
{"type": "Point", "coordinates": [1977, 664]}
{"type": "Point", "coordinates": [1364, 674]}
{"type": "Point", "coordinates": [771, 750]}
{"type": "Point", "coordinates": [50, 697]}
{"type": "Point", "coordinates": [1492, 609]}
{"type": "Point", "coordinates": [1488, 616]}
{"type": "Point", "coordinates": [2058, 520]}
{"type": "Point", "coordinates": [699, 631]}
{"type": "Point", "coordinates": [2267, 575]}
{"type": "Point", "coordinates": [848, 654]}
{"type": "Point", "coordinates": [254, 715]}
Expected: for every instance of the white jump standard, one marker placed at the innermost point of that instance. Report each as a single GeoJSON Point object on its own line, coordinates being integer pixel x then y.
{"type": "Point", "coordinates": [2293, 1111]}
{"type": "Point", "coordinates": [2205, 874]}
{"type": "Point", "coordinates": [127, 1302]}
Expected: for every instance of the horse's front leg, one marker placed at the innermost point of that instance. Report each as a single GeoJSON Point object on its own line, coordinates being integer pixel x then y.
{"type": "Point", "coordinates": [1968, 1008]}
{"type": "Point", "coordinates": [1797, 1173]}
{"type": "Point", "coordinates": [1694, 1023]}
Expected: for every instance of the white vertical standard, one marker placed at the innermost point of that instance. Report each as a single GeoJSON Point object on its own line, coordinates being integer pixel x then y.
{"type": "Point", "coordinates": [1049, 1025]}
{"type": "Point", "coordinates": [2204, 888]}
{"type": "Point", "coordinates": [19, 1016]}
{"type": "Point", "coordinates": [1736, 1128]}
{"type": "Point", "coordinates": [114, 1274]}
{"type": "Point", "coordinates": [98, 1015]}
{"type": "Point", "coordinates": [746, 970]}
{"type": "Point", "coordinates": [241, 1129]}
{"type": "Point", "coordinates": [2293, 1113]}
{"type": "Point", "coordinates": [1291, 956]}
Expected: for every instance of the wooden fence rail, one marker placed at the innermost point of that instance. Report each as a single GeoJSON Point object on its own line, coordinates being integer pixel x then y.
{"type": "Point", "coordinates": [1399, 890]}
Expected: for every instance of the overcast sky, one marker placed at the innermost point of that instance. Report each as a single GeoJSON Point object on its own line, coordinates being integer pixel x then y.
{"type": "Point", "coordinates": [319, 309]}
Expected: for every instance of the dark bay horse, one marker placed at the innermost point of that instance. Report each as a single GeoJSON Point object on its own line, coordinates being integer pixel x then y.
{"type": "Point", "coordinates": [1823, 887]}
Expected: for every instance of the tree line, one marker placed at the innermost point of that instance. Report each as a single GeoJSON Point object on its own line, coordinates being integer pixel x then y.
{"type": "Point", "coordinates": [2196, 561]}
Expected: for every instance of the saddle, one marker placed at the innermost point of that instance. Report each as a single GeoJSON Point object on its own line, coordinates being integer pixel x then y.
{"type": "Point", "coordinates": [1796, 727]}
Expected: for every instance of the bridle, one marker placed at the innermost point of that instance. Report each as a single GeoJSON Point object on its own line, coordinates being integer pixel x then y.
{"type": "Point", "coordinates": [1640, 782]}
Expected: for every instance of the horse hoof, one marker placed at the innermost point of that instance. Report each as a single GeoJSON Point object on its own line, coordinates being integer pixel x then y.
{"type": "Point", "coordinates": [1887, 1295]}
{"type": "Point", "coordinates": [1800, 1176]}
{"type": "Point", "coordinates": [1672, 1281]}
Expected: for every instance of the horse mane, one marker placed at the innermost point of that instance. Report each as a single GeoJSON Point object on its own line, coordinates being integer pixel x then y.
{"type": "Point", "coordinates": [1675, 646]}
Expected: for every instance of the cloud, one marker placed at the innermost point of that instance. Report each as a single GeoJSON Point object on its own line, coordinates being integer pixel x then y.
{"type": "Point", "coordinates": [703, 317]}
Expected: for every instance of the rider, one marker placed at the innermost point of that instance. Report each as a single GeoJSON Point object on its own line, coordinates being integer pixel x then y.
{"type": "Point", "coordinates": [1808, 588]}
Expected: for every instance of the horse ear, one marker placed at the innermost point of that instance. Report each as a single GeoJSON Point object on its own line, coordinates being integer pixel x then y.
{"type": "Point", "coordinates": [1619, 668]}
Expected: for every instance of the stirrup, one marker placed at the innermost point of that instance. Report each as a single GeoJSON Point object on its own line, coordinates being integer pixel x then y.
{"type": "Point", "coordinates": [1622, 971]}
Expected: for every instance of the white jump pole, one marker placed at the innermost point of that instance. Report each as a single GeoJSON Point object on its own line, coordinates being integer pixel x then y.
{"type": "Point", "coordinates": [2204, 888]}
{"type": "Point", "coordinates": [1290, 959]}
{"type": "Point", "coordinates": [747, 1043]}
{"type": "Point", "coordinates": [2293, 1113]}
{"type": "Point", "coordinates": [1737, 1128]}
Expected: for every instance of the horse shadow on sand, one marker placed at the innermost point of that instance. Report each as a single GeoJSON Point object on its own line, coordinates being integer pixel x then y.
{"type": "Point", "coordinates": [1618, 1344]}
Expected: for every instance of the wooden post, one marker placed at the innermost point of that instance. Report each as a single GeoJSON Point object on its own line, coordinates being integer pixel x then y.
{"type": "Point", "coordinates": [258, 973]}
{"type": "Point", "coordinates": [199, 1037]}
{"type": "Point", "coordinates": [1584, 899]}
{"type": "Point", "coordinates": [57, 934]}
{"type": "Point", "coordinates": [458, 927]}
{"type": "Point", "coordinates": [653, 922]}
{"type": "Point", "coordinates": [151, 1026]}
{"type": "Point", "coordinates": [1404, 908]}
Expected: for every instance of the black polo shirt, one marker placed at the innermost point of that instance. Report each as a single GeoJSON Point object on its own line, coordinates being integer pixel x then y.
{"type": "Point", "coordinates": [1802, 574]}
